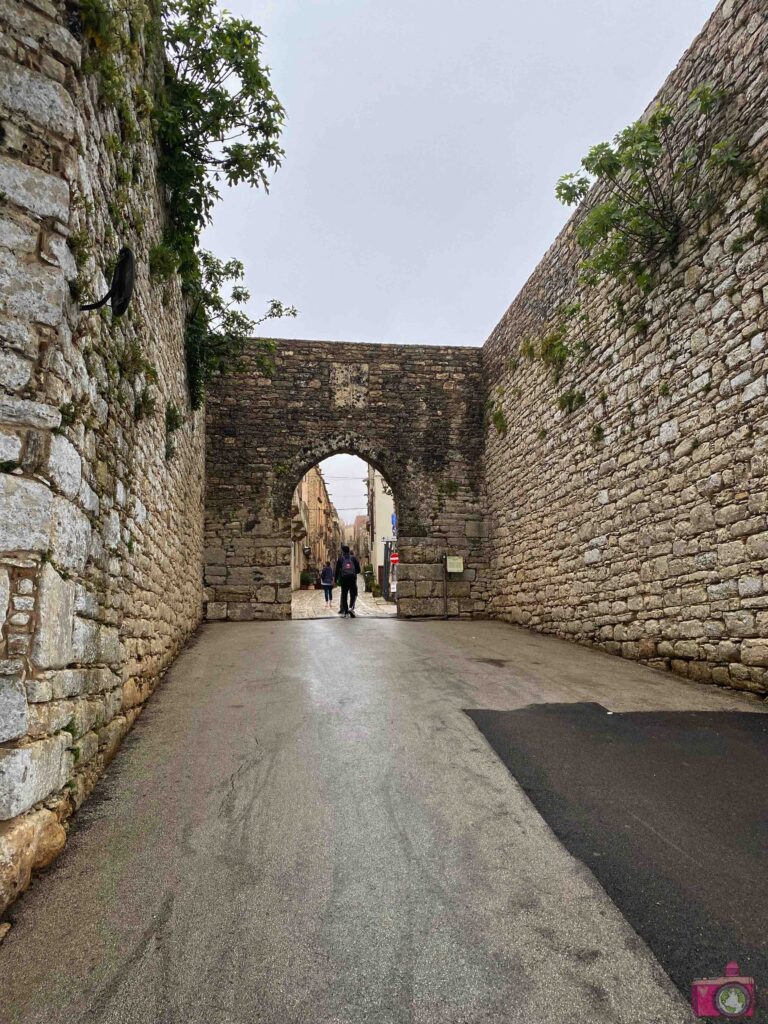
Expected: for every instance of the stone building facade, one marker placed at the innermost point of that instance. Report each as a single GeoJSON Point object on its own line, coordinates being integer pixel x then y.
{"type": "Point", "coordinates": [413, 412]}
{"type": "Point", "coordinates": [318, 538]}
{"type": "Point", "coordinates": [638, 522]}
{"type": "Point", "coordinates": [381, 520]}
{"type": "Point", "coordinates": [359, 540]}
{"type": "Point", "coordinates": [100, 533]}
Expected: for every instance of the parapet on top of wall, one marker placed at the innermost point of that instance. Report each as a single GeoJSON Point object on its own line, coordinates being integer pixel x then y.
{"type": "Point", "coordinates": [638, 521]}
{"type": "Point", "coordinates": [100, 533]}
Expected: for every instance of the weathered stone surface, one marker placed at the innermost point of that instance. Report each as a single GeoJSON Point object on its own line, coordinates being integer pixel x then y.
{"type": "Point", "coordinates": [30, 773]}
{"type": "Point", "coordinates": [426, 437]}
{"type": "Point", "coordinates": [666, 458]}
{"type": "Point", "coordinates": [37, 98]}
{"type": "Point", "coordinates": [26, 413]}
{"type": "Point", "coordinates": [32, 291]}
{"type": "Point", "coordinates": [94, 643]}
{"type": "Point", "coordinates": [13, 708]}
{"type": "Point", "coordinates": [46, 195]}
{"type": "Point", "coordinates": [13, 700]}
{"type": "Point", "coordinates": [29, 843]}
{"type": "Point", "coordinates": [15, 370]}
{"type": "Point", "coordinates": [755, 652]}
{"type": "Point", "coordinates": [52, 645]}
{"type": "Point", "coordinates": [108, 472]}
{"type": "Point", "coordinates": [64, 467]}
{"type": "Point", "coordinates": [5, 594]}
{"type": "Point", "coordinates": [70, 535]}
{"type": "Point", "coordinates": [19, 234]}
{"type": "Point", "coordinates": [26, 514]}
{"type": "Point", "coordinates": [10, 448]}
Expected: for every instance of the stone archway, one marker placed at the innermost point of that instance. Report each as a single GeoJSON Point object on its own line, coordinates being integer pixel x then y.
{"type": "Point", "coordinates": [306, 545]}
{"type": "Point", "coordinates": [413, 412]}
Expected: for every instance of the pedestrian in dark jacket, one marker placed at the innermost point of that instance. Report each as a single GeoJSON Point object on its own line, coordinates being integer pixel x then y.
{"type": "Point", "coordinates": [347, 569]}
{"type": "Point", "coordinates": [326, 578]}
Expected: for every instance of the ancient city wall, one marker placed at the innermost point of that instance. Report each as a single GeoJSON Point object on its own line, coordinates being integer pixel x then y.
{"type": "Point", "coordinates": [637, 522]}
{"type": "Point", "coordinates": [413, 412]}
{"type": "Point", "coordinates": [100, 526]}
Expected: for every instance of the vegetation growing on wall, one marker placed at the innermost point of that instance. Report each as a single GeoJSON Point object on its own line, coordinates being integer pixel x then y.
{"type": "Point", "coordinates": [661, 180]}
{"type": "Point", "coordinates": [655, 189]}
{"type": "Point", "coordinates": [218, 329]}
{"type": "Point", "coordinates": [209, 108]}
{"type": "Point", "coordinates": [218, 120]}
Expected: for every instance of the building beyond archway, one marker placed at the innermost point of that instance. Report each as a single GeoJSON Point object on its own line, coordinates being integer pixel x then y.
{"type": "Point", "coordinates": [413, 412]}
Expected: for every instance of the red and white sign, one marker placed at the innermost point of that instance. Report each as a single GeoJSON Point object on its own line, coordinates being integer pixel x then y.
{"type": "Point", "coordinates": [394, 558]}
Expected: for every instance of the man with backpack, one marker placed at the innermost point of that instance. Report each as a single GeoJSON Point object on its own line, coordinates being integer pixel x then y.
{"type": "Point", "coordinates": [347, 569]}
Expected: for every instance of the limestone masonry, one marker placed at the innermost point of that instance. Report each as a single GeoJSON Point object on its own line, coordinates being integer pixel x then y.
{"type": "Point", "coordinates": [100, 535]}
{"type": "Point", "coordinates": [413, 412]}
{"type": "Point", "coordinates": [652, 542]}
{"type": "Point", "coordinates": [638, 522]}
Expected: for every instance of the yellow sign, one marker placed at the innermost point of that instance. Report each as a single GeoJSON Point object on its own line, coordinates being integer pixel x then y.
{"type": "Point", "coordinates": [454, 563]}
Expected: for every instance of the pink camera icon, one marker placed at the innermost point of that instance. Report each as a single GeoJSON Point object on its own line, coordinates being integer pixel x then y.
{"type": "Point", "coordinates": [731, 996]}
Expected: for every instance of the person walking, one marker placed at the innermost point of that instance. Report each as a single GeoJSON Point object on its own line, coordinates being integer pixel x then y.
{"type": "Point", "coordinates": [326, 578]}
{"type": "Point", "coordinates": [347, 569]}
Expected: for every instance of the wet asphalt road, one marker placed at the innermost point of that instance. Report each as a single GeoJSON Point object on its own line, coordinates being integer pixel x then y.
{"type": "Point", "coordinates": [669, 809]}
{"type": "Point", "coordinates": [304, 826]}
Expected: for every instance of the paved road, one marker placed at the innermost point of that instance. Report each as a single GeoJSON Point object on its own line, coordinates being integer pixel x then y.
{"type": "Point", "coordinates": [669, 809]}
{"type": "Point", "coordinates": [310, 604]}
{"type": "Point", "coordinates": [304, 826]}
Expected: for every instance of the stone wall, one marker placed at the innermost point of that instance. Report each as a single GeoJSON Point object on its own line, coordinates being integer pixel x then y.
{"type": "Point", "coordinates": [413, 412]}
{"type": "Point", "coordinates": [100, 533]}
{"type": "Point", "coordinates": [637, 523]}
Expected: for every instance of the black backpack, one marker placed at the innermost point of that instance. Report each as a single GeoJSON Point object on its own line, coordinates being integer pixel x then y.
{"type": "Point", "coordinates": [348, 566]}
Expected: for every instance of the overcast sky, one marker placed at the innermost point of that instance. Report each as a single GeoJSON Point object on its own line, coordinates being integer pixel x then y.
{"type": "Point", "coordinates": [345, 477]}
{"type": "Point", "coordinates": [423, 142]}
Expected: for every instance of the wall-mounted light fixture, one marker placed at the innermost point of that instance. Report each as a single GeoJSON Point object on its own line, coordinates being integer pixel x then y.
{"type": "Point", "coordinates": [121, 289]}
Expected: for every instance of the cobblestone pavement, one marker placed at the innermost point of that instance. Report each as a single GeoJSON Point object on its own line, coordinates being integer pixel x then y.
{"type": "Point", "coordinates": [310, 604]}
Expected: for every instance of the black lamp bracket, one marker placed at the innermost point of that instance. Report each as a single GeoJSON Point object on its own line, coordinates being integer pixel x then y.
{"type": "Point", "coordinates": [121, 288]}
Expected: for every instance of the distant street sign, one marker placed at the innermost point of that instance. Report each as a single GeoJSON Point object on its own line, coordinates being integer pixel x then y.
{"type": "Point", "coordinates": [394, 558]}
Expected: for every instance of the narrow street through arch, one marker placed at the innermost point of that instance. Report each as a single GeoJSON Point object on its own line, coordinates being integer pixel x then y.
{"type": "Point", "coordinates": [343, 504]}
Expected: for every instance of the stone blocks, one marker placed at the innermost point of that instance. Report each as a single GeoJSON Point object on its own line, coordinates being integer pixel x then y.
{"type": "Point", "coordinates": [29, 843]}
{"type": "Point", "coordinates": [13, 700]}
{"type": "Point", "coordinates": [26, 514]}
{"type": "Point", "coordinates": [29, 773]}
{"type": "Point", "coordinates": [415, 412]}
{"type": "Point", "coordinates": [52, 644]}
{"type": "Point", "coordinates": [666, 460]}
{"type": "Point", "coordinates": [100, 535]}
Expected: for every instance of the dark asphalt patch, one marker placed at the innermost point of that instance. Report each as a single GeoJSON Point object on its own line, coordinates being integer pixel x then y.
{"type": "Point", "coordinates": [670, 812]}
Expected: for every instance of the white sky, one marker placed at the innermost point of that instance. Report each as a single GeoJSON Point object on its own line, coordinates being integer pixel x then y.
{"type": "Point", "coordinates": [344, 478]}
{"type": "Point", "coordinates": [423, 142]}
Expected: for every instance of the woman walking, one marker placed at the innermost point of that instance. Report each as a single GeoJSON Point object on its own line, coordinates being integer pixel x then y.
{"type": "Point", "coordinates": [326, 578]}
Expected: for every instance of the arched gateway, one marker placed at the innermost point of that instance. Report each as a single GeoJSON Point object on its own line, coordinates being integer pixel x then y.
{"type": "Point", "coordinates": [413, 412]}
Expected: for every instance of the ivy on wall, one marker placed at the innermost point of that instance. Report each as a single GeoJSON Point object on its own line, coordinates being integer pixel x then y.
{"type": "Point", "coordinates": [207, 107]}
{"type": "Point", "coordinates": [218, 121]}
